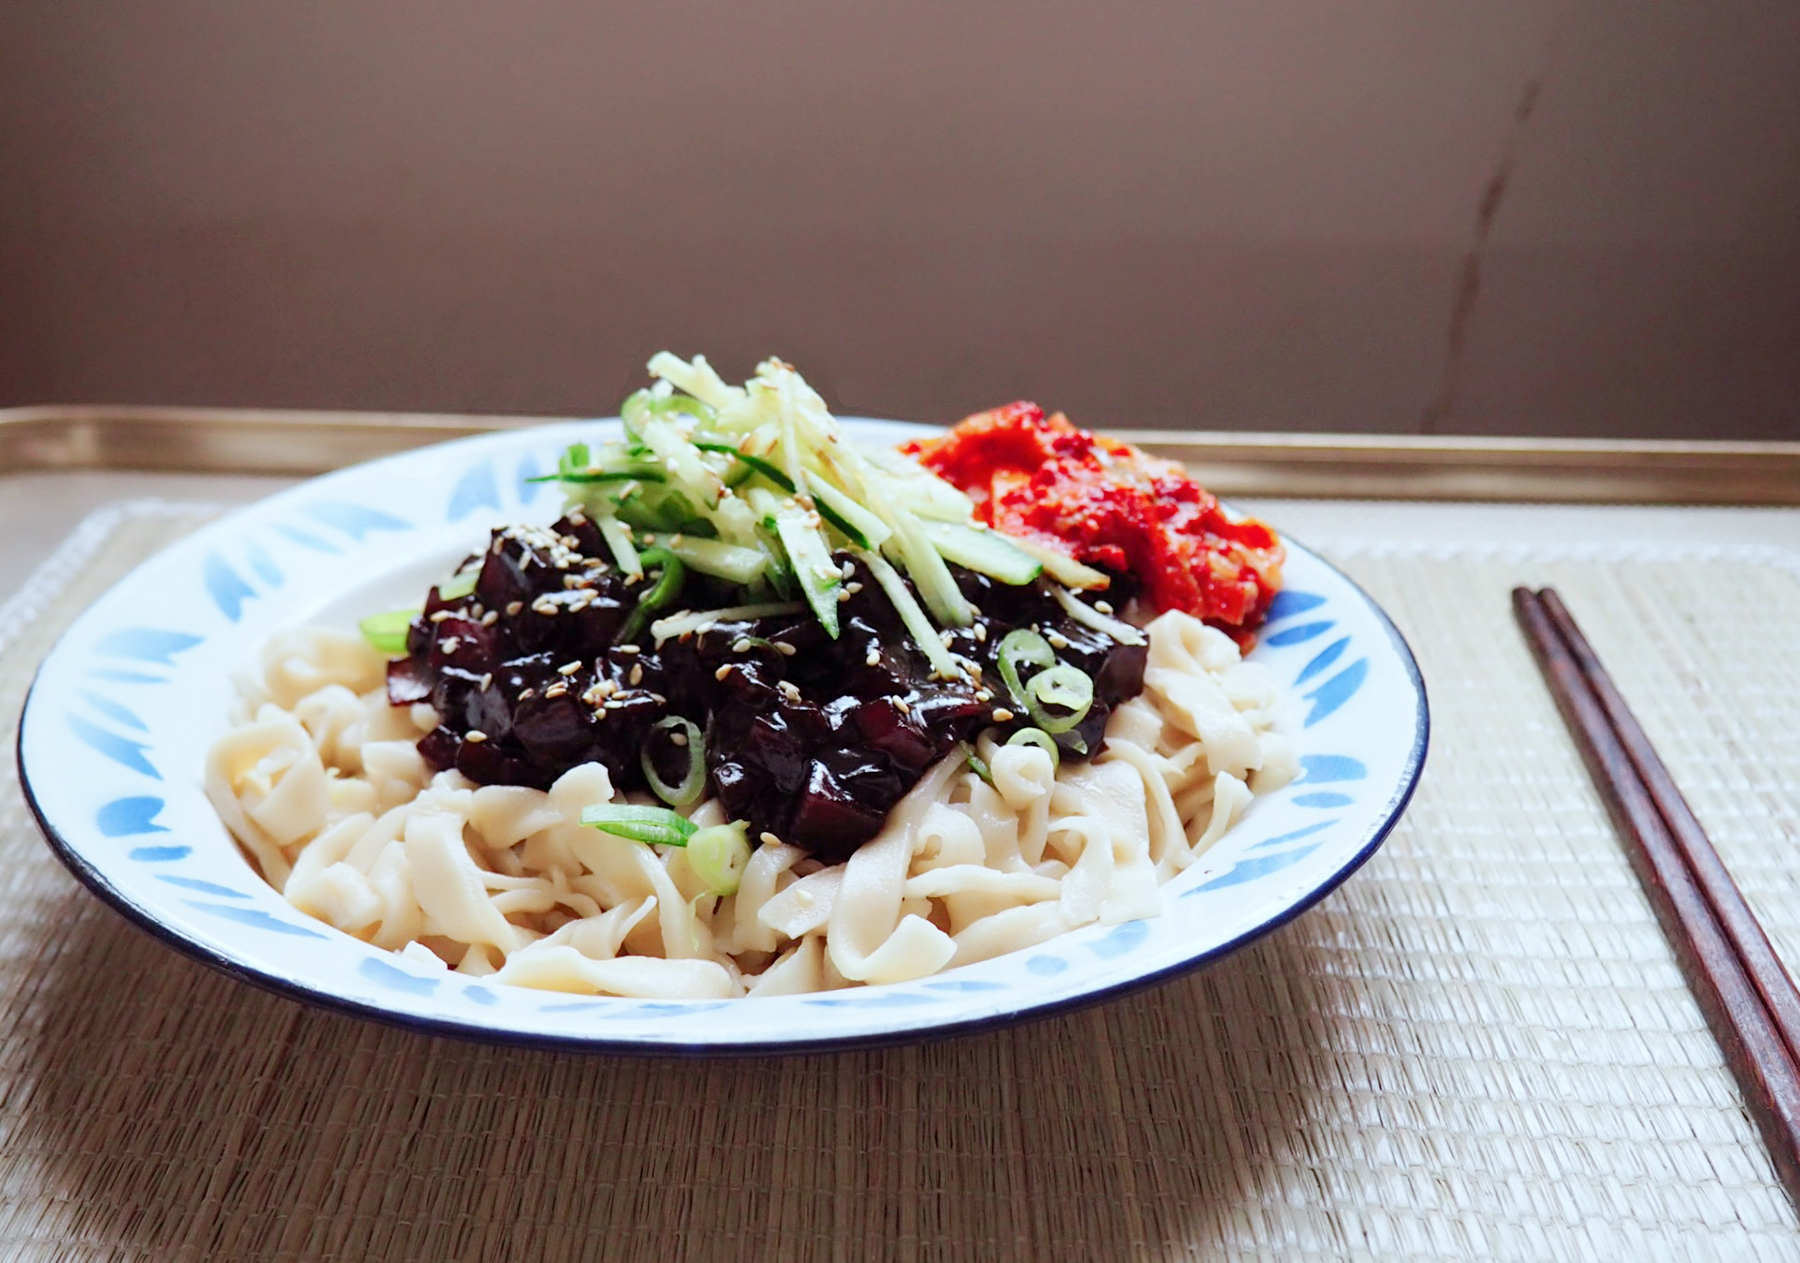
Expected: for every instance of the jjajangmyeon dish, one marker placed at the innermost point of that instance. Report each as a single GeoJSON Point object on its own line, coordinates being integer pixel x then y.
{"type": "Point", "coordinates": [766, 712]}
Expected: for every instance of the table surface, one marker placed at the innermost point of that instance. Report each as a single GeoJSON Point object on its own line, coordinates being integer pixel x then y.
{"type": "Point", "coordinates": [1479, 1047]}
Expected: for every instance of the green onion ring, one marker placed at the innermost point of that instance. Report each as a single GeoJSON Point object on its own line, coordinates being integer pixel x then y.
{"type": "Point", "coordinates": [1042, 740]}
{"type": "Point", "coordinates": [1022, 647]}
{"type": "Point", "coordinates": [687, 791]}
{"type": "Point", "coordinates": [718, 854]}
{"type": "Point", "coordinates": [1061, 686]}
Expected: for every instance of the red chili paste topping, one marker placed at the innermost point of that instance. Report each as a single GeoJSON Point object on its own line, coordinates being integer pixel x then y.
{"type": "Point", "coordinates": [1107, 504]}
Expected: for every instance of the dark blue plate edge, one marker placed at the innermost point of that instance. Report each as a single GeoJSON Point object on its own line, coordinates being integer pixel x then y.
{"type": "Point", "coordinates": [291, 989]}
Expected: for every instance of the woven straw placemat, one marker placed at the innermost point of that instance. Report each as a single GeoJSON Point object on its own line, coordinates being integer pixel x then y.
{"type": "Point", "coordinates": [1479, 1047]}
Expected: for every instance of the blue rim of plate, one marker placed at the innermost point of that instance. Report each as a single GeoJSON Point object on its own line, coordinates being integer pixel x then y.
{"type": "Point", "coordinates": [96, 880]}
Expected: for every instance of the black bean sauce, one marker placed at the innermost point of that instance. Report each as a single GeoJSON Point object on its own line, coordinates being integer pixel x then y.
{"type": "Point", "coordinates": [809, 739]}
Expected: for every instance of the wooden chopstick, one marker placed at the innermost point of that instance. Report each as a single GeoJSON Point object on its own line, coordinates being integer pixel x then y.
{"type": "Point", "coordinates": [1747, 997]}
{"type": "Point", "coordinates": [1748, 941]}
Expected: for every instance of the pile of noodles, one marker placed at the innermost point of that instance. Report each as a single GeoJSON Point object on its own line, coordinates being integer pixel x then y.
{"type": "Point", "coordinates": [322, 784]}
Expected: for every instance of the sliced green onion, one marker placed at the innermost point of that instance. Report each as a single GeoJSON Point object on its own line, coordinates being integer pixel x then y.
{"type": "Point", "coordinates": [1064, 687]}
{"type": "Point", "coordinates": [657, 826]}
{"type": "Point", "coordinates": [1041, 739]}
{"type": "Point", "coordinates": [460, 585]}
{"type": "Point", "coordinates": [986, 551]}
{"type": "Point", "coordinates": [387, 632]}
{"type": "Point", "coordinates": [977, 763]}
{"type": "Point", "coordinates": [685, 792]}
{"type": "Point", "coordinates": [1022, 648]}
{"type": "Point", "coordinates": [718, 854]}
{"type": "Point", "coordinates": [666, 588]}
{"type": "Point", "coordinates": [816, 572]}
{"type": "Point", "coordinates": [1090, 617]}
{"type": "Point", "coordinates": [755, 463]}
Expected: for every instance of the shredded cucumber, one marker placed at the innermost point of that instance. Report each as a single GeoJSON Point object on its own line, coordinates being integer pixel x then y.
{"type": "Point", "coordinates": [986, 551]}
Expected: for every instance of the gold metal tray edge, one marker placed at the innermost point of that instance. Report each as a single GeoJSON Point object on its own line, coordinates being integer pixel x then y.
{"type": "Point", "coordinates": [1330, 466]}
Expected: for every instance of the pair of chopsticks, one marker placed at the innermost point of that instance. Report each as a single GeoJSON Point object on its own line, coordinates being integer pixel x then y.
{"type": "Point", "coordinates": [1746, 994]}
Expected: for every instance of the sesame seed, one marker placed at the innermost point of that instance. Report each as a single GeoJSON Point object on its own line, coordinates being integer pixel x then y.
{"type": "Point", "coordinates": [631, 649]}
{"type": "Point", "coordinates": [513, 608]}
{"type": "Point", "coordinates": [786, 650]}
{"type": "Point", "coordinates": [675, 540]}
{"type": "Point", "coordinates": [982, 695]}
{"type": "Point", "coordinates": [1002, 715]}
{"type": "Point", "coordinates": [527, 694]}
{"type": "Point", "coordinates": [789, 690]}
{"type": "Point", "coordinates": [447, 645]}
{"type": "Point", "coordinates": [1057, 640]}
{"type": "Point", "coordinates": [637, 674]}
{"type": "Point", "coordinates": [853, 587]}
{"type": "Point", "coordinates": [557, 690]}
{"type": "Point", "coordinates": [900, 704]}
{"type": "Point", "coordinates": [490, 618]}
{"type": "Point", "coordinates": [742, 645]}
{"type": "Point", "coordinates": [846, 570]}
{"type": "Point", "coordinates": [679, 738]}
{"type": "Point", "coordinates": [827, 572]}
{"type": "Point", "coordinates": [487, 680]}
{"type": "Point", "coordinates": [722, 672]}
{"type": "Point", "coordinates": [981, 633]}
{"type": "Point", "coordinates": [475, 735]}
{"type": "Point", "coordinates": [1105, 607]}
{"type": "Point", "coordinates": [768, 839]}
{"type": "Point", "coordinates": [843, 596]}
{"type": "Point", "coordinates": [568, 668]}
{"type": "Point", "coordinates": [439, 616]}
{"type": "Point", "coordinates": [649, 539]}
{"type": "Point", "coordinates": [874, 658]}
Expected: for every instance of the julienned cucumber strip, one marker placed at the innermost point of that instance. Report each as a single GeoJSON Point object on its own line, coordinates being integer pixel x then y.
{"type": "Point", "coordinates": [859, 525]}
{"type": "Point", "coordinates": [816, 573]}
{"type": "Point", "coordinates": [742, 566]}
{"type": "Point", "coordinates": [986, 551]}
{"type": "Point", "coordinates": [756, 463]}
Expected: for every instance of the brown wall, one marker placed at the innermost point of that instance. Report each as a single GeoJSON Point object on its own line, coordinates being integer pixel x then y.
{"type": "Point", "coordinates": [1528, 215]}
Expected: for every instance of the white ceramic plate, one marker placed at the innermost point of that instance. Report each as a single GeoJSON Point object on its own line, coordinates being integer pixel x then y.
{"type": "Point", "coordinates": [117, 726]}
